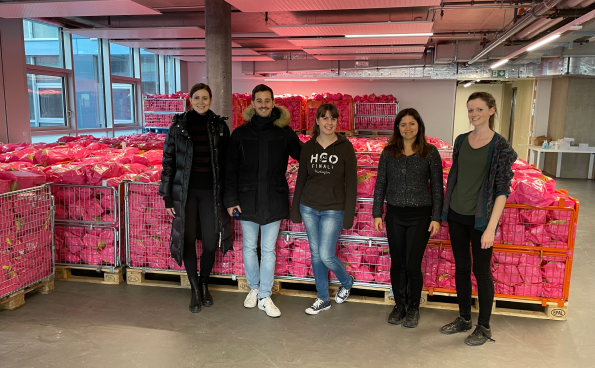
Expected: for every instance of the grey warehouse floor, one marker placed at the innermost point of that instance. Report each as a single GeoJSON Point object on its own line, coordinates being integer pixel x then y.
{"type": "Point", "coordinates": [88, 325]}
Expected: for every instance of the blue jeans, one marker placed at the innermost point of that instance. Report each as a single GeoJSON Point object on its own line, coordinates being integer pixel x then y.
{"type": "Point", "coordinates": [323, 229]}
{"type": "Point", "coordinates": [261, 278]}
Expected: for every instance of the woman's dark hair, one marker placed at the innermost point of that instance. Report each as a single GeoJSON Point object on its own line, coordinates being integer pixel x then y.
{"type": "Point", "coordinates": [262, 88]}
{"type": "Point", "coordinates": [320, 112]}
{"type": "Point", "coordinates": [396, 146]}
{"type": "Point", "coordinates": [198, 87]}
{"type": "Point", "coordinates": [489, 100]}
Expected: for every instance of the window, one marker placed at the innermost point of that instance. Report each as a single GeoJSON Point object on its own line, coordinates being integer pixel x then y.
{"type": "Point", "coordinates": [43, 44]}
{"type": "Point", "coordinates": [170, 74]}
{"type": "Point", "coordinates": [123, 103]}
{"type": "Point", "coordinates": [47, 105]}
{"type": "Point", "coordinates": [149, 73]}
{"type": "Point", "coordinates": [90, 103]}
{"type": "Point", "coordinates": [121, 60]}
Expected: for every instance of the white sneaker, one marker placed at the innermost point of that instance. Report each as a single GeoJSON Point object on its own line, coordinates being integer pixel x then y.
{"type": "Point", "coordinates": [251, 299]}
{"type": "Point", "coordinates": [269, 307]}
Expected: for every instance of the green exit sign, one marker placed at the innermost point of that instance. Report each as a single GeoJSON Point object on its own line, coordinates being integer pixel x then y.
{"type": "Point", "coordinates": [498, 73]}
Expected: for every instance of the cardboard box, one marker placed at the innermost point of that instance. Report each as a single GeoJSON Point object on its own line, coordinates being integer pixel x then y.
{"type": "Point", "coordinates": [538, 141]}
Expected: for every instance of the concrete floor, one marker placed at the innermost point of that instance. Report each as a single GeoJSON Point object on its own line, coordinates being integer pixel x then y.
{"type": "Point", "coordinates": [87, 325]}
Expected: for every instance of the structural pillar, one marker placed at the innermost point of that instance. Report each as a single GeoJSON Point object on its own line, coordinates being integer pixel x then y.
{"type": "Point", "coordinates": [15, 126]}
{"type": "Point", "coordinates": [218, 55]}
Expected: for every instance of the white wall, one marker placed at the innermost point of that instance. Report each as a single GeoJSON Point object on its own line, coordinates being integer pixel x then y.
{"type": "Point", "coordinates": [542, 107]}
{"type": "Point", "coordinates": [434, 99]}
{"type": "Point", "coordinates": [461, 120]}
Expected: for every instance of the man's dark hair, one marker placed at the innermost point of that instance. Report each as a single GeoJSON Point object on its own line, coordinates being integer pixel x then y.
{"type": "Point", "coordinates": [262, 88]}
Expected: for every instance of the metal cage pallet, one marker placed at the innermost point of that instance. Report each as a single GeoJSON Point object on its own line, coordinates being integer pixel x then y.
{"type": "Point", "coordinates": [26, 249]}
{"type": "Point", "coordinates": [87, 236]}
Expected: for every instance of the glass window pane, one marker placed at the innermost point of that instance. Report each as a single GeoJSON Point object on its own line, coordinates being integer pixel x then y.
{"type": "Point", "coordinates": [90, 103]}
{"type": "Point", "coordinates": [170, 75]}
{"type": "Point", "coordinates": [121, 60]}
{"type": "Point", "coordinates": [149, 73]}
{"type": "Point", "coordinates": [43, 44]}
{"type": "Point", "coordinates": [46, 95]}
{"type": "Point", "coordinates": [123, 103]}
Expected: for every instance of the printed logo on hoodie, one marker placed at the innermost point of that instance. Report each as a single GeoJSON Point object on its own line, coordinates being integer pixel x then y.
{"type": "Point", "coordinates": [323, 161]}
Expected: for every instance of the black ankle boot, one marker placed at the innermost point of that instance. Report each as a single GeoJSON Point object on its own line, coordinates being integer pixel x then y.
{"type": "Point", "coordinates": [207, 299]}
{"type": "Point", "coordinates": [195, 301]}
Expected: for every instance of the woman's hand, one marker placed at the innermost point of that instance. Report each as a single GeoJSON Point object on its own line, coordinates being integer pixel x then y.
{"type": "Point", "coordinates": [230, 210]}
{"type": "Point", "coordinates": [171, 212]}
{"type": "Point", "coordinates": [487, 239]}
{"type": "Point", "coordinates": [434, 228]}
{"type": "Point", "coordinates": [378, 224]}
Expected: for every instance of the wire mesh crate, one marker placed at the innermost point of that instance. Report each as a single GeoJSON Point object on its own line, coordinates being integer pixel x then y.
{"type": "Point", "coordinates": [26, 224]}
{"type": "Point", "coordinates": [375, 123]}
{"type": "Point", "coordinates": [86, 205]}
{"type": "Point", "coordinates": [87, 246]}
{"type": "Point", "coordinates": [148, 233]}
{"type": "Point", "coordinates": [369, 108]}
{"type": "Point", "coordinates": [165, 105]}
{"type": "Point", "coordinates": [444, 153]}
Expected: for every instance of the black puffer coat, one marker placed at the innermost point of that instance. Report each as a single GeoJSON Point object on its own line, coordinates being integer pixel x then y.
{"type": "Point", "coordinates": [256, 165]}
{"type": "Point", "coordinates": [177, 165]}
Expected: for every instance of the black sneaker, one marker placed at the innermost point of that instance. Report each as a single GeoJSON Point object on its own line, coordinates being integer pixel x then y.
{"type": "Point", "coordinates": [319, 306]}
{"type": "Point", "coordinates": [412, 318]}
{"type": "Point", "coordinates": [480, 336]}
{"type": "Point", "coordinates": [343, 293]}
{"type": "Point", "coordinates": [458, 325]}
{"type": "Point", "coordinates": [397, 315]}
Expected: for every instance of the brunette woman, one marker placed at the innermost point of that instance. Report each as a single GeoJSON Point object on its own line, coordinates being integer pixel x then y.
{"type": "Point", "coordinates": [191, 186]}
{"type": "Point", "coordinates": [324, 197]}
{"type": "Point", "coordinates": [410, 178]}
{"type": "Point", "coordinates": [478, 185]}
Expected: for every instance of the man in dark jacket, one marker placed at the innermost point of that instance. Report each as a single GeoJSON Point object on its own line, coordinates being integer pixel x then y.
{"type": "Point", "coordinates": [256, 188]}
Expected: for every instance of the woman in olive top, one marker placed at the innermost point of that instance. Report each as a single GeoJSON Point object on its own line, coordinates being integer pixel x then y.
{"type": "Point", "coordinates": [478, 185]}
{"type": "Point", "coordinates": [407, 164]}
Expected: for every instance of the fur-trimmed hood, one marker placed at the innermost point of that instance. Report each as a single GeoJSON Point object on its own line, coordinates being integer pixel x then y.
{"type": "Point", "coordinates": [282, 122]}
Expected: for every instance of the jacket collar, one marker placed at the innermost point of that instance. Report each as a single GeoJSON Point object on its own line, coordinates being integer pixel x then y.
{"type": "Point", "coordinates": [282, 122]}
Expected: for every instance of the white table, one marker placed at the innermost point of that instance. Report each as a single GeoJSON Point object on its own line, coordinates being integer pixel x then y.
{"type": "Point", "coordinates": [538, 150]}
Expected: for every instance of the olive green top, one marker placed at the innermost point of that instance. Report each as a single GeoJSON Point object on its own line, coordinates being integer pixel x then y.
{"type": "Point", "coordinates": [473, 164]}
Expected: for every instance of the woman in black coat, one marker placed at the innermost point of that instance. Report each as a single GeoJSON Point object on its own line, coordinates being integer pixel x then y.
{"type": "Point", "coordinates": [192, 188]}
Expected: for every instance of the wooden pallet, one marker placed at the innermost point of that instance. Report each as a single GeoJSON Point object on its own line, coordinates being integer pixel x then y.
{"type": "Point", "coordinates": [17, 299]}
{"type": "Point", "coordinates": [172, 279]}
{"type": "Point", "coordinates": [501, 306]}
{"type": "Point", "coordinates": [288, 287]}
{"type": "Point", "coordinates": [101, 275]}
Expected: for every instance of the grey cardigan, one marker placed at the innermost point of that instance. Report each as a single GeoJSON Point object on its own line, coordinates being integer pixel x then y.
{"type": "Point", "coordinates": [404, 182]}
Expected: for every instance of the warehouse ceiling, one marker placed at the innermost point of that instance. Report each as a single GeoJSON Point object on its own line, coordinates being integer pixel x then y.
{"type": "Point", "coordinates": [314, 29]}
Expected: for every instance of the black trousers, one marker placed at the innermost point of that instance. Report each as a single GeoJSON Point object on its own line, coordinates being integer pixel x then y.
{"type": "Point", "coordinates": [462, 232]}
{"type": "Point", "coordinates": [200, 214]}
{"type": "Point", "coordinates": [408, 235]}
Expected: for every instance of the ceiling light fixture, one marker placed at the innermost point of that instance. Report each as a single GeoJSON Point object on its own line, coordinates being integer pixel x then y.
{"type": "Point", "coordinates": [501, 62]}
{"type": "Point", "coordinates": [291, 80]}
{"type": "Point", "coordinates": [391, 35]}
{"type": "Point", "coordinates": [541, 43]}
{"type": "Point", "coordinates": [467, 84]}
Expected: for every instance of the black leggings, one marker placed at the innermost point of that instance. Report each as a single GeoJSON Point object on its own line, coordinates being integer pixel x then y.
{"type": "Point", "coordinates": [199, 207]}
{"type": "Point", "coordinates": [408, 235]}
{"type": "Point", "coordinates": [461, 235]}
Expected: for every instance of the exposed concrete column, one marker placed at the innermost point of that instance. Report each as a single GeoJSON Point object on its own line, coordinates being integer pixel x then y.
{"type": "Point", "coordinates": [15, 126]}
{"type": "Point", "coordinates": [218, 52]}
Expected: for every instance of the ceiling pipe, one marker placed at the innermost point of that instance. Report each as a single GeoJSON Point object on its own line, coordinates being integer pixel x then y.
{"type": "Point", "coordinates": [572, 3]}
{"type": "Point", "coordinates": [535, 13]}
{"type": "Point", "coordinates": [540, 26]}
{"type": "Point", "coordinates": [586, 3]}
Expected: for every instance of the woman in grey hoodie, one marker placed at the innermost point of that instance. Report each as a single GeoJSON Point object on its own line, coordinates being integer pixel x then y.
{"type": "Point", "coordinates": [324, 197]}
